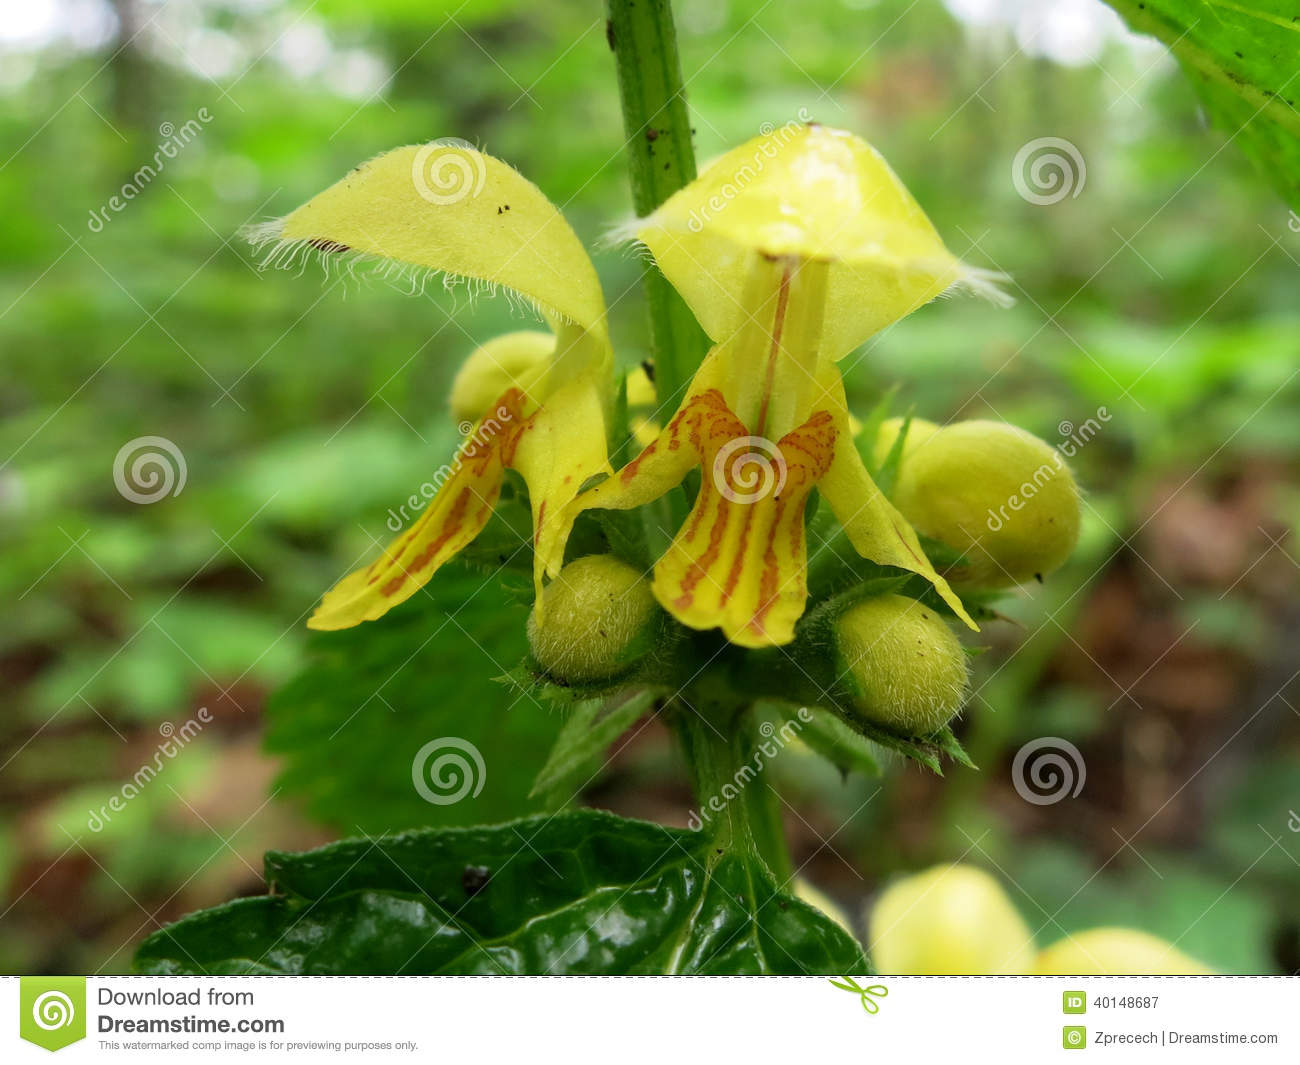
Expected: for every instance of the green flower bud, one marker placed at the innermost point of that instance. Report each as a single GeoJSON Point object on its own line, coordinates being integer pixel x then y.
{"type": "Point", "coordinates": [998, 495]}
{"type": "Point", "coordinates": [905, 668]}
{"type": "Point", "coordinates": [597, 621]}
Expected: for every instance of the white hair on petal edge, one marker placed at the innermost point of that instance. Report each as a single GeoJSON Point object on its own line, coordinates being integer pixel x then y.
{"type": "Point", "coordinates": [985, 284]}
{"type": "Point", "coordinates": [341, 261]}
{"type": "Point", "coordinates": [625, 233]}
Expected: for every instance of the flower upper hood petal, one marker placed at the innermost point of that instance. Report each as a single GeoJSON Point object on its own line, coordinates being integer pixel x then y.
{"type": "Point", "coordinates": [445, 206]}
{"type": "Point", "coordinates": [813, 193]}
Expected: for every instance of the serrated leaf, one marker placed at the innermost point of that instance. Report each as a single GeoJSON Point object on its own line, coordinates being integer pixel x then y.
{"type": "Point", "coordinates": [578, 893]}
{"type": "Point", "coordinates": [589, 730]}
{"type": "Point", "coordinates": [1241, 57]}
{"type": "Point", "coordinates": [350, 725]}
{"type": "Point", "coordinates": [922, 750]}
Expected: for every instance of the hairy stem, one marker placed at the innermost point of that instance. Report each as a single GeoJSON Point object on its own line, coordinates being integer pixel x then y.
{"type": "Point", "coordinates": [719, 738]}
{"type": "Point", "coordinates": [735, 800]}
{"type": "Point", "coordinates": [661, 159]}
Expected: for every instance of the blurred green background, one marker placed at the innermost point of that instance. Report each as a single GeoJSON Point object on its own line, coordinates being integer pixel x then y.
{"type": "Point", "coordinates": [1162, 294]}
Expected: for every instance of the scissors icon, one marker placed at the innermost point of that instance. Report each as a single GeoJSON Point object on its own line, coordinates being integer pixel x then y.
{"type": "Point", "coordinates": [868, 994]}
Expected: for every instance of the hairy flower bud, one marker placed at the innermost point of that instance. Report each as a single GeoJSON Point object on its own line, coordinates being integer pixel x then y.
{"type": "Point", "coordinates": [952, 920]}
{"type": "Point", "coordinates": [999, 495]}
{"type": "Point", "coordinates": [515, 360]}
{"type": "Point", "coordinates": [598, 616]}
{"type": "Point", "coordinates": [905, 668]}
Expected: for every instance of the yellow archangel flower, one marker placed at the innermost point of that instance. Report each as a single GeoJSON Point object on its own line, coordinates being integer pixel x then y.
{"type": "Point", "coordinates": [791, 251]}
{"type": "Point", "coordinates": [447, 208]}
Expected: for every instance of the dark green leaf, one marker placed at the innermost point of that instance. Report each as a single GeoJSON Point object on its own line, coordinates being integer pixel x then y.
{"type": "Point", "coordinates": [350, 725]}
{"type": "Point", "coordinates": [580, 892]}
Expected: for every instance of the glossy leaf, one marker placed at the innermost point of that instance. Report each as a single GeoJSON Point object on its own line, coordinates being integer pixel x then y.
{"type": "Point", "coordinates": [580, 892]}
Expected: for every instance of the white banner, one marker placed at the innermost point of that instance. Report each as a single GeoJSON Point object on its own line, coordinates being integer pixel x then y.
{"type": "Point", "coordinates": [656, 1020]}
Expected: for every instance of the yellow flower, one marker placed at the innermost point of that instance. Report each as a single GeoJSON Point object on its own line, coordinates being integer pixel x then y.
{"type": "Point", "coordinates": [956, 919]}
{"type": "Point", "coordinates": [952, 920]}
{"type": "Point", "coordinates": [450, 209]}
{"type": "Point", "coordinates": [791, 251]}
{"type": "Point", "coordinates": [1116, 952]}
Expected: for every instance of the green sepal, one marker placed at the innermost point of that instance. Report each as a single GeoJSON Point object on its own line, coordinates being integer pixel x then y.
{"type": "Point", "coordinates": [590, 728]}
{"type": "Point", "coordinates": [827, 734]}
{"type": "Point", "coordinates": [887, 475]}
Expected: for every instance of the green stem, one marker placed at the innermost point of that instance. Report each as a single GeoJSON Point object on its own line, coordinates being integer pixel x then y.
{"type": "Point", "coordinates": [661, 160]}
{"type": "Point", "coordinates": [735, 799]}
{"type": "Point", "coordinates": [720, 739]}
